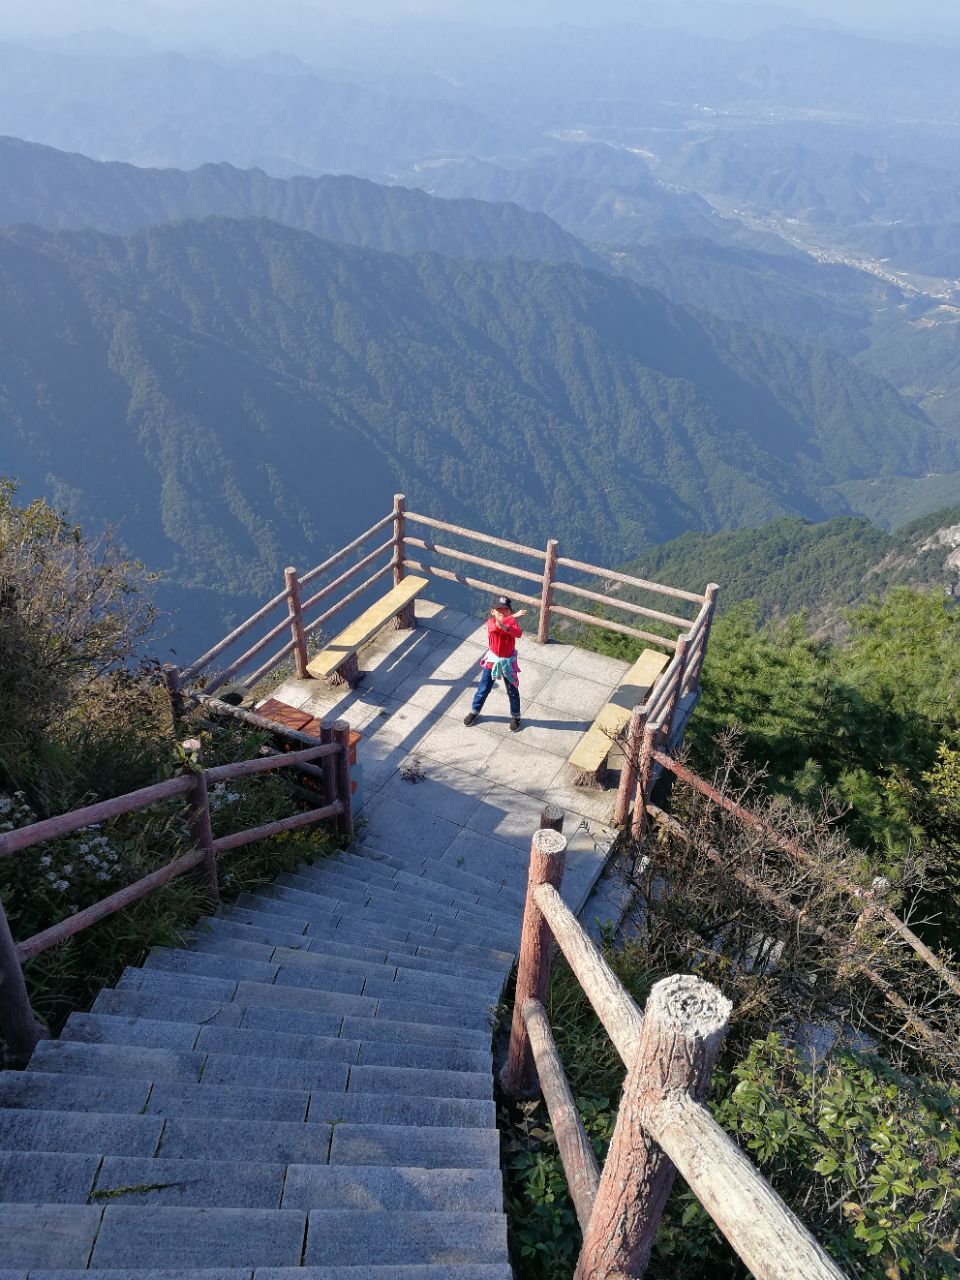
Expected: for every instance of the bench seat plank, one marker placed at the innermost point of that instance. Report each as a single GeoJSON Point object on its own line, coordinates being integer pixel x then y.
{"type": "Point", "coordinates": [358, 633]}
{"type": "Point", "coordinates": [588, 758]}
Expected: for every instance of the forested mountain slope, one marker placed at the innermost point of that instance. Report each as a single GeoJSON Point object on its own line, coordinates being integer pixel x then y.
{"type": "Point", "coordinates": [60, 190]}
{"type": "Point", "coordinates": [790, 565]}
{"type": "Point", "coordinates": [238, 395]}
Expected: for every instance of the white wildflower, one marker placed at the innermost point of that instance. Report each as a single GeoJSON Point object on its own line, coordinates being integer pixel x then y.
{"type": "Point", "coordinates": [62, 886]}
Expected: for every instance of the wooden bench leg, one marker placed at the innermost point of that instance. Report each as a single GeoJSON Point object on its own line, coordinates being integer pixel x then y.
{"type": "Point", "coordinates": [406, 619]}
{"type": "Point", "coordinates": [347, 673]}
{"type": "Point", "coordinates": [595, 781]}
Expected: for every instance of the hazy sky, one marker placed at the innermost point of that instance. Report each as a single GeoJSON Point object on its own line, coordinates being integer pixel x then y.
{"type": "Point", "coordinates": [59, 17]}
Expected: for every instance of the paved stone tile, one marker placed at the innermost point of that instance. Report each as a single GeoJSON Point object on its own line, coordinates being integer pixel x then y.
{"type": "Point", "coordinates": [404, 829]}
{"type": "Point", "coordinates": [77, 1131]}
{"type": "Point", "coordinates": [595, 666]}
{"type": "Point", "coordinates": [386, 1145]}
{"type": "Point", "coordinates": [518, 763]}
{"type": "Point", "coordinates": [454, 743]}
{"type": "Point", "coordinates": [227, 1101]}
{"type": "Point", "coordinates": [441, 790]}
{"type": "Point", "coordinates": [440, 617]}
{"type": "Point", "coordinates": [415, 1238]}
{"type": "Point", "coordinates": [406, 724]}
{"type": "Point", "coordinates": [369, 1188]}
{"type": "Point", "coordinates": [570, 692]}
{"type": "Point", "coordinates": [432, 692]}
{"type": "Point", "coordinates": [598, 805]}
{"type": "Point", "coordinates": [189, 1238]}
{"type": "Point", "coordinates": [548, 729]}
{"type": "Point", "coordinates": [551, 655]}
{"type": "Point", "coordinates": [460, 662]}
{"type": "Point", "coordinates": [50, 1091]}
{"type": "Point", "coordinates": [510, 815]}
{"type": "Point", "coordinates": [497, 860]}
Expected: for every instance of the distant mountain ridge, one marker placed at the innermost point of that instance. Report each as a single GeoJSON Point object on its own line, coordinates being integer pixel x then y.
{"type": "Point", "coordinates": [64, 191]}
{"type": "Point", "coordinates": [237, 394]}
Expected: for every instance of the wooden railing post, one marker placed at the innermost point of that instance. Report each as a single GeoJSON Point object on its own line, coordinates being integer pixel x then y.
{"type": "Point", "coordinates": [295, 614]}
{"type": "Point", "coordinates": [546, 596]}
{"type": "Point", "coordinates": [173, 683]}
{"type": "Point", "coordinates": [684, 1023]}
{"type": "Point", "coordinates": [631, 763]}
{"type": "Point", "coordinates": [547, 856]}
{"type": "Point", "coordinates": [406, 619]}
{"type": "Point", "coordinates": [19, 1029]}
{"type": "Point", "coordinates": [551, 818]}
{"type": "Point", "coordinates": [644, 771]}
{"type": "Point", "coordinates": [341, 736]}
{"type": "Point", "coordinates": [201, 827]}
{"type": "Point", "coordinates": [328, 766]}
{"type": "Point", "coordinates": [692, 678]}
{"type": "Point", "coordinates": [670, 709]}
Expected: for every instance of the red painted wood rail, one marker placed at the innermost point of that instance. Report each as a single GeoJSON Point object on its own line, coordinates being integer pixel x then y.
{"type": "Point", "coordinates": [19, 1029]}
{"type": "Point", "coordinates": [662, 1125]}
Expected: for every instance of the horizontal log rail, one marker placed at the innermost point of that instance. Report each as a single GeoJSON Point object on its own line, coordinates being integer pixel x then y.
{"type": "Point", "coordinates": [796, 851]}
{"type": "Point", "coordinates": [658, 588]}
{"type": "Point", "coordinates": [608, 625]}
{"type": "Point", "coordinates": [348, 599]}
{"type": "Point", "coordinates": [345, 577]}
{"type": "Point", "coordinates": [482, 561]}
{"type": "Point", "coordinates": [473, 535]}
{"type": "Point", "coordinates": [662, 1125]}
{"type": "Point", "coordinates": [205, 659]}
{"type": "Point", "coordinates": [433, 571]}
{"type": "Point", "coordinates": [19, 1029]}
{"type": "Point", "coordinates": [627, 605]}
{"type": "Point", "coordinates": [342, 554]}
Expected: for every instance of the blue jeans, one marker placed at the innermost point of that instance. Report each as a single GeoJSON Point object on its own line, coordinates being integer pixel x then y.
{"type": "Point", "coordinates": [486, 684]}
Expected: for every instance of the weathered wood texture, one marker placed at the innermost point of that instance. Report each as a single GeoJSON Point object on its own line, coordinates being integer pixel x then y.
{"type": "Point", "coordinates": [341, 738]}
{"type": "Point", "coordinates": [551, 817]}
{"type": "Point", "coordinates": [618, 1013]}
{"type": "Point", "coordinates": [576, 1152]}
{"type": "Point", "coordinates": [682, 1030]}
{"type": "Point", "coordinates": [644, 772]}
{"type": "Point", "coordinates": [201, 832]}
{"type": "Point", "coordinates": [596, 571]}
{"type": "Point", "coordinates": [399, 537]}
{"type": "Point", "coordinates": [546, 593]}
{"type": "Point", "coordinates": [295, 821]}
{"type": "Point", "coordinates": [347, 574]}
{"type": "Point", "coordinates": [606, 624]}
{"type": "Point", "coordinates": [547, 856]}
{"type": "Point", "coordinates": [631, 764]}
{"type": "Point", "coordinates": [295, 614]}
{"type": "Point", "coordinates": [627, 605]}
{"type": "Point", "coordinates": [800, 919]}
{"type": "Point", "coordinates": [484, 562]}
{"type": "Point", "coordinates": [196, 667]}
{"type": "Point", "coordinates": [258, 721]}
{"type": "Point", "coordinates": [795, 850]}
{"type": "Point", "coordinates": [19, 1029]}
{"type": "Point", "coordinates": [432, 571]}
{"type": "Point", "coordinates": [64, 823]}
{"type": "Point", "coordinates": [342, 554]}
{"type": "Point", "coordinates": [767, 1236]}
{"type": "Point", "coordinates": [487, 538]}
{"type": "Point", "coordinates": [173, 683]}
{"type": "Point", "coordinates": [692, 680]}
{"type": "Point", "coordinates": [244, 768]}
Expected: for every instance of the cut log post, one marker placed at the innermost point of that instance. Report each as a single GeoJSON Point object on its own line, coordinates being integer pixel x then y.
{"type": "Point", "coordinates": [19, 1029]}
{"type": "Point", "coordinates": [406, 619]}
{"type": "Point", "coordinates": [631, 764]}
{"type": "Point", "coordinates": [329, 766]}
{"type": "Point", "coordinates": [546, 597]}
{"type": "Point", "coordinates": [201, 828]}
{"type": "Point", "coordinates": [173, 683]}
{"type": "Point", "coordinates": [341, 736]}
{"type": "Point", "coordinates": [547, 856]}
{"type": "Point", "coordinates": [644, 771]}
{"type": "Point", "coordinates": [683, 1027]}
{"type": "Point", "coordinates": [691, 681]}
{"type": "Point", "coordinates": [551, 818]}
{"type": "Point", "coordinates": [348, 672]}
{"type": "Point", "coordinates": [295, 613]}
{"type": "Point", "coordinates": [576, 1153]}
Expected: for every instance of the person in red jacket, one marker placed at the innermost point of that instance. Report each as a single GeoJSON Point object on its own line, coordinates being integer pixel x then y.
{"type": "Point", "coordinates": [500, 660]}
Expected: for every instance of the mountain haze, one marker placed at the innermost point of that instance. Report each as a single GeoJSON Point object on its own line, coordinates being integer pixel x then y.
{"type": "Point", "coordinates": [239, 395]}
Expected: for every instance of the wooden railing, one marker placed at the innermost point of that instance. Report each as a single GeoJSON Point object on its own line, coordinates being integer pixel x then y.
{"type": "Point", "coordinates": [662, 1126]}
{"type": "Point", "coordinates": [19, 1029]}
{"type": "Point", "coordinates": [535, 581]}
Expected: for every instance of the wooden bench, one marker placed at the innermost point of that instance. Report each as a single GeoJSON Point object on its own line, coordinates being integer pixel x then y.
{"type": "Point", "coordinates": [337, 663]}
{"type": "Point", "coordinates": [588, 761]}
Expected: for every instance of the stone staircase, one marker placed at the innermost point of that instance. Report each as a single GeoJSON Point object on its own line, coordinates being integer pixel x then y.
{"type": "Point", "coordinates": [303, 1089]}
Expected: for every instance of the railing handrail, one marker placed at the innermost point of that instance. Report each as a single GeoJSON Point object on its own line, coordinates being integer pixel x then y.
{"type": "Point", "coordinates": [662, 1126]}
{"type": "Point", "coordinates": [693, 630]}
{"type": "Point", "coordinates": [17, 1023]}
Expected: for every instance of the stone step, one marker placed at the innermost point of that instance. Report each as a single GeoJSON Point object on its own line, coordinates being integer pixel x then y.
{"type": "Point", "coordinates": [46, 1177]}
{"type": "Point", "coordinates": [353, 1238]}
{"type": "Point", "coordinates": [39, 1091]}
{"type": "Point", "coordinates": [93, 1133]}
{"type": "Point", "coordinates": [250, 930]}
{"type": "Point", "coordinates": [227, 1139]}
{"type": "Point", "coordinates": [169, 1008]}
{"type": "Point", "coordinates": [418, 892]}
{"type": "Point", "coordinates": [48, 1235]}
{"type": "Point", "coordinates": [141, 1237]}
{"type": "Point", "coordinates": [393, 1145]}
{"type": "Point", "coordinates": [431, 1271]}
{"type": "Point", "coordinates": [495, 887]}
{"type": "Point", "coordinates": [417, 1082]}
{"type": "Point", "coordinates": [199, 1183]}
{"type": "Point", "coordinates": [369, 876]}
{"type": "Point", "coordinates": [367, 1188]}
{"type": "Point", "coordinates": [231, 919]}
{"type": "Point", "coordinates": [119, 1058]}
